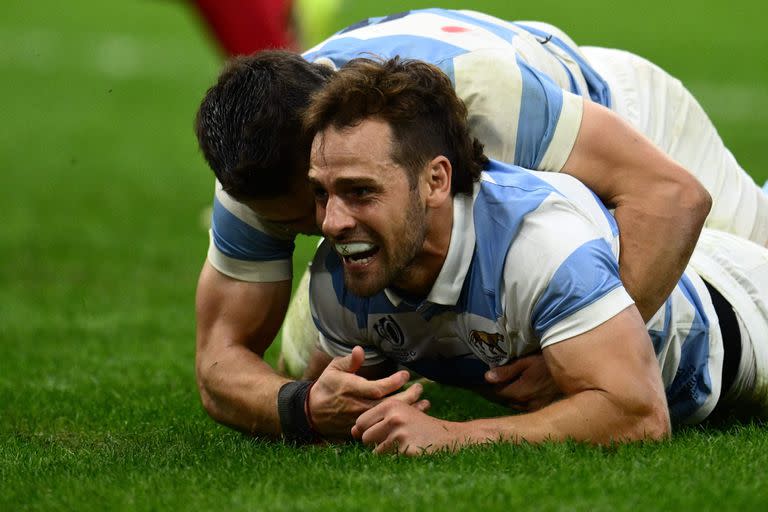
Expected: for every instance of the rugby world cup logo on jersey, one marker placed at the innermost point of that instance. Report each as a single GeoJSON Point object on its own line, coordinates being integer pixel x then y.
{"type": "Point", "coordinates": [387, 328]}
{"type": "Point", "coordinates": [489, 346]}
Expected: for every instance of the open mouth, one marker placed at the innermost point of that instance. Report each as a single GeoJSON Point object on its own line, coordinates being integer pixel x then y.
{"type": "Point", "coordinates": [357, 252]}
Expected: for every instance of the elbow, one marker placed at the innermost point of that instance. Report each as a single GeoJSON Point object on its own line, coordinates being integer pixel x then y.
{"type": "Point", "coordinates": [651, 423]}
{"type": "Point", "coordinates": [209, 403]}
{"type": "Point", "coordinates": [657, 425]}
{"type": "Point", "coordinates": [692, 197]}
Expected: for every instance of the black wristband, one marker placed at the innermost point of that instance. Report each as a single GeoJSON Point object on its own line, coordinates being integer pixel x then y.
{"type": "Point", "coordinates": [291, 401]}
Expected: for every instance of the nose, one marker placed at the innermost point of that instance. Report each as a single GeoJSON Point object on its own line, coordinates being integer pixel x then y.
{"type": "Point", "coordinates": [335, 219]}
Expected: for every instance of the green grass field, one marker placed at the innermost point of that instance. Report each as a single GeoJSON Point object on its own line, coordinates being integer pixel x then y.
{"type": "Point", "coordinates": [101, 240]}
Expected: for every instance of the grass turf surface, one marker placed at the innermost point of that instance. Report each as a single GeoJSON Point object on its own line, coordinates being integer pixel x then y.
{"type": "Point", "coordinates": [101, 244]}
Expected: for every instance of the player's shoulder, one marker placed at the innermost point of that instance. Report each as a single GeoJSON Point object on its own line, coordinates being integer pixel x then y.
{"type": "Point", "coordinates": [243, 247]}
{"type": "Point", "coordinates": [510, 187]}
{"type": "Point", "coordinates": [547, 193]}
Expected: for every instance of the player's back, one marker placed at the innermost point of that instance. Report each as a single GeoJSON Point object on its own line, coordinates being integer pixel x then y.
{"type": "Point", "coordinates": [522, 84]}
{"type": "Point", "coordinates": [440, 35]}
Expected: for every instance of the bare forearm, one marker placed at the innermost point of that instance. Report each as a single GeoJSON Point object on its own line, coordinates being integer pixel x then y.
{"type": "Point", "coordinates": [658, 234]}
{"type": "Point", "coordinates": [590, 416]}
{"type": "Point", "coordinates": [236, 323]}
{"type": "Point", "coordinates": [660, 206]}
{"type": "Point", "coordinates": [238, 388]}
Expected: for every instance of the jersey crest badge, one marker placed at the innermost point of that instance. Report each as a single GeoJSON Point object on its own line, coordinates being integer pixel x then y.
{"type": "Point", "coordinates": [490, 347]}
{"type": "Point", "coordinates": [387, 328]}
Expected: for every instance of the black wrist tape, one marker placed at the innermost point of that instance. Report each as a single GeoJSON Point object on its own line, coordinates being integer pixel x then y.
{"type": "Point", "coordinates": [293, 416]}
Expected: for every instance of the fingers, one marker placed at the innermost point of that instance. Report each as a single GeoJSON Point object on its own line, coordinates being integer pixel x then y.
{"type": "Point", "coordinates": [371, 419]}
{"type": "Point", "coordinates": [364, 388]}
{"type": "Point", "coordinates": [381, 436]}
{"type": "Point", "coordinates": [378, 389]}
{"type": "Point", "coordinates": [506, 373]}
{"type": "Point", "coordinates": [350, 363]}
{"type": "Point", "coordinates": [393, 428]}
{"type": "Point", "coordinates": [423, 405]}
{"type": "Point", "coordinates": [410, 395]}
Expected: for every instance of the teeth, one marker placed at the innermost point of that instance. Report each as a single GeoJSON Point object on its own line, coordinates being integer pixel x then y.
{"type": "Point", "coordinates": [353, 248]}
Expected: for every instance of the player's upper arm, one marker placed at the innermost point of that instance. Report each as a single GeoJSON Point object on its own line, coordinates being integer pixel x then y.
{"type": "Point", "coordinates": [245, 247]}
{"type": "Point", "coordinates": [576, 284]}
{"type": "Point", "coordinates": [230, 311]}
{"type": "Point", "coordinates": [615, 361]}
{"type": "Point", "coordinates": [616, 161]}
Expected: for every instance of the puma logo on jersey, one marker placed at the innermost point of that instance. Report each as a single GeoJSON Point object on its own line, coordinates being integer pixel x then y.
{"type": "Point", "coordinates": [489, 346]}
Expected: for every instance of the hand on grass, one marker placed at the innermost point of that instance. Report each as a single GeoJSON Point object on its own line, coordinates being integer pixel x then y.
{"type": "Point", "coordinates": [339, 396]}
{"type": "Point", "coordinates": [395, 426]}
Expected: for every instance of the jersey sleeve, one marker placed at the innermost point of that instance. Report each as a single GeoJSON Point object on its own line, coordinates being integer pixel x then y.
{"type": "Point", "coordinates": [340, 319]}
{"type": "Point", "coordinates": [519, 114]}
{"type": "Point", "coordinates": [245, 248]}
{"type": "Point", "coordinates": [562, 276]}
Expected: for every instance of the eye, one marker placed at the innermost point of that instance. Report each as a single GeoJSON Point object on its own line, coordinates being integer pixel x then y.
{"type": "Point", "coordinates": [321, 196]}
{"type": "Point", "coordinates": [361, 192]}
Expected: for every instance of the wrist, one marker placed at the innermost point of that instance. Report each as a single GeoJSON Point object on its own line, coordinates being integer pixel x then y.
{"type": "Point", "coordinates": [308, 410]}
{"type": "Point", "coordinates": [293, 411]}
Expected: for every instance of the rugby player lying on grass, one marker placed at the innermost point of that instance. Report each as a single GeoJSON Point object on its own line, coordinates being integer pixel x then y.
{"type": "Point", "coordinates": [535, 99]}
{"type": "Point", "coordinates": [447, 263]}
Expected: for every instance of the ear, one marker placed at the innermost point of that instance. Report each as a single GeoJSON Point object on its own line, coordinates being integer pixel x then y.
{"type": "Point", "coordinates": [438, 181]}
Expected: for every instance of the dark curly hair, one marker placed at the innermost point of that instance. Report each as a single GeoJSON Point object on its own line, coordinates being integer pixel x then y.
{"type": "Point", "coordinates": [417, 100]}
{"type": "Point", "coordinates": [248, 125]}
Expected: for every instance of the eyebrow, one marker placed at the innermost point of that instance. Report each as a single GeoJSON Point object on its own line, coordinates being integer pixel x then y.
{"type": "Point", "coordinates": [347, 181]}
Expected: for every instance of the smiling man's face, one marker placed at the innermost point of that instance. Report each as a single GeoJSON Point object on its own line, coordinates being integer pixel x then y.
{"type": "Point", "coordinates": [366, 206]}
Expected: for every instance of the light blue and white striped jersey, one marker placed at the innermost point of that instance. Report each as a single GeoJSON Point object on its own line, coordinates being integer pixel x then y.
{"type": "Point", "coordinates": [532, 261]}
{"type": "Point", "coordinates": [522, 84]}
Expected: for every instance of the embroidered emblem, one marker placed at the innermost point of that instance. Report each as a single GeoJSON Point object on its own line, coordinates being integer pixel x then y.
{"type": "Point", "coordinates": [489, 346]}
{"type": "Point", "coordinates": [387, 328]}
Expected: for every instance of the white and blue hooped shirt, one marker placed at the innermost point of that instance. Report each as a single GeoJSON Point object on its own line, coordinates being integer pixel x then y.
{"type": "Point", "coordinates": [532, 262]}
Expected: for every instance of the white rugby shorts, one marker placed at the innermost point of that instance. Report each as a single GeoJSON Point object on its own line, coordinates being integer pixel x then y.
{"type": "Point", "coordinates": [738, 269]}
{"type": "Point", "coordinates": [660, 107]}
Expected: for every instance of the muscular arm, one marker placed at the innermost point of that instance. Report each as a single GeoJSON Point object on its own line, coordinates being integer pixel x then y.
{"type": "Point", "coordinates": [660, 207]}
{"type": "Point", "coordinates": [613, 392]}
{"type": "Point", "coordinates": [236, 323]}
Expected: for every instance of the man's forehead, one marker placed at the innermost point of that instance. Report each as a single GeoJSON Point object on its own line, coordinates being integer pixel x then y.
{"type": "Point", "coordinates": [352, 154]}
{"type": "Point", "coordinates": [362, 138]}
{"type": "Point", "coordinates": [354, 170]}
